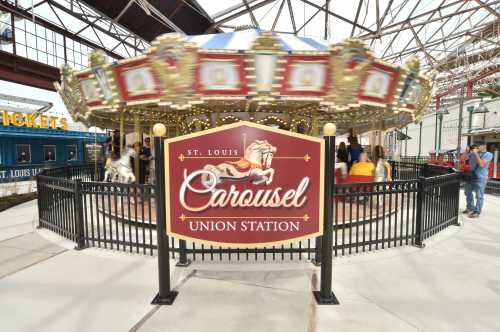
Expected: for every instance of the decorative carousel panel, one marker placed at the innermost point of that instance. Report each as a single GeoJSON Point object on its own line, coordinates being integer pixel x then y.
{"type": "Point", "coordinates": [411, 96]}
{"type": "Point", "coordinates": [89, 89]}
{"type": "Point", "coordinates": [349, 63]}
{"type": "Point", "coordinates": [421, 96]}
{"type": "Point", "coordinates": [265, 69]}
{"type": "Point", "coordinates": [174, 60]}
{"type": "Point", "coordinates": [104, 84]}
{"type": "Point", "coordinates": [137, 81]}
{"type": "Point", "coordinates": [221, 74]}
{"type": "Point", "coordinates": [378, 86]}
{"type": "Point", "coordinates": [306, 76]}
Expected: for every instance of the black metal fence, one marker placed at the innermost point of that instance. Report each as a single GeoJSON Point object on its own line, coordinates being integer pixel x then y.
{"type": "Point", "coordinates": [415, 159]}
{"type": "Point", "coordinates": [493, 187]}
{"type": "Point", "coordinates": [421, 201]}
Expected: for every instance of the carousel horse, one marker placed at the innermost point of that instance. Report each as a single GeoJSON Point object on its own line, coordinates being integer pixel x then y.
{"type": "Point", "coordinates": [120, 170]}
{"type": "Point", "coordinates": [341, 172]}
{"type": "Point", "coordinates": [255, 165]}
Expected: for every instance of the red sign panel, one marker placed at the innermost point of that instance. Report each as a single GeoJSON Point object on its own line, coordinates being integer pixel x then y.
{"type": "Point", "coordinates": [244, 185]}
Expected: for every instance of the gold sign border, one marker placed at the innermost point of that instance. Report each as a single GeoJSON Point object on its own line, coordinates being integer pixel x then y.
{"type": "Point", "coordinates": [258, 126]}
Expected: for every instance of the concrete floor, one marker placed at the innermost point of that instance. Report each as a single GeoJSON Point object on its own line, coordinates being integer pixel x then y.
{"type": "Point", "coordinates": [451, 285]}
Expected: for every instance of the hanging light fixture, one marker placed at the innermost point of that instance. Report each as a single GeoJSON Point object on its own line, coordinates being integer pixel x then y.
{"type": "Point", "coordinates": [443, 111]}
{"type": "Point", "coordinates": [481, 109]}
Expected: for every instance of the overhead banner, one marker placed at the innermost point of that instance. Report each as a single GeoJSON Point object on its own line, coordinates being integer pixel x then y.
{"type": "Point", "coordinates": [244, 185]}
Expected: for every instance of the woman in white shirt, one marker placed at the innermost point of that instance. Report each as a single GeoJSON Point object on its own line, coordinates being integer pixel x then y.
{"type": "Point", "coordinates": [383, 169]}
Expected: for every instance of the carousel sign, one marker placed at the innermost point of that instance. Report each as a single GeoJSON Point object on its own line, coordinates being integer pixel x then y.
{"type": "Point", "coordinates": [244, 185]}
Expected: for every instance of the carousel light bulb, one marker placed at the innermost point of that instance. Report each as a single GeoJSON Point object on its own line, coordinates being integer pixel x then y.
{"type": "Point", "coordinates": [159, 130]}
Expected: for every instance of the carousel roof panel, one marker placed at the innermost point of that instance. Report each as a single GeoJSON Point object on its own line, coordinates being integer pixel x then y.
{"type": "Point", "coordinates": [155, 16]}
{"type": "Point", "coordinates": [243, 40]}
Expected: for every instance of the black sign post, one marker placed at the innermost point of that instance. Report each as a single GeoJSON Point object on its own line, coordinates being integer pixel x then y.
{"type": "Point", "coordinates": [325, 295]}
{"type": "Point", "coordinates": [165, 295]}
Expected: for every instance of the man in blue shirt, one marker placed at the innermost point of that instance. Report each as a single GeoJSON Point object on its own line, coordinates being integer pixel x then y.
{"type": "Point", "coordinates": [353, 150]}
{"type": "Point", "coordinates": [479, 160]}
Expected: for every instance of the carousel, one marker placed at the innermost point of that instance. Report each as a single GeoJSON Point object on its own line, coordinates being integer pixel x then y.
{"type": "Point", "coordinates": [192, 83]}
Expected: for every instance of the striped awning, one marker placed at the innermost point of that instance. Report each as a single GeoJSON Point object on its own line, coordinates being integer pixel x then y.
{"type": "Point", "coordinates": [243, 40]}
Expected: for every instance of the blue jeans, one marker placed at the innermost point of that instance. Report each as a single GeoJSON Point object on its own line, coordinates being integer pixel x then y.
{"type": "Point", "coordinates": [475, 187]}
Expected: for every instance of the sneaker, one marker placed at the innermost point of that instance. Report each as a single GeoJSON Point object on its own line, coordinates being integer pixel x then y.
{"type": "Point", "coordinates": [473, 215]}
{"type": "Point", "coordinates": [467, 211]}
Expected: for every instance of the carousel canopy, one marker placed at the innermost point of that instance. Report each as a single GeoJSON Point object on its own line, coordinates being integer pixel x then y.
{"type": "Point", "coordinates": [296, 83]}
{"type": "Point", "coordinates": [244, 40]}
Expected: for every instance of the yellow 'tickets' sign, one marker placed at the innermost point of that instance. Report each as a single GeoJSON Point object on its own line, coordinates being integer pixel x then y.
{"type": "Point", "coordinates": [19, 119]}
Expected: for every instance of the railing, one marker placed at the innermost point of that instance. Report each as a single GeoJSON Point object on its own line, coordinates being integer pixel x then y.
{"type": "Point", "coordinates": [86, 172]}
{"type": "Point", "coordinates": [440, 198]}
{"type": "Point", "coordinates": [415, 159]}
{"type": "Point", "coordinates": [58, 208]}
{"type": "Point", "coordinates": [367, 216]}
{"type": "Point", "coordinates": [28, 172]}
{"type": "Point", "coordinates": [402, 170]}
{"type": "Point", "coordinates": [371, 216]}
{"type": "Point", "coordinates": [493, 187]}
{"type": "Point", "coordinates": [119, 216]}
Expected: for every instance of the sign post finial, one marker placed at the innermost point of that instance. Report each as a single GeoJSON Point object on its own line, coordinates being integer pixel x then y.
{"type": "Point", "coordinates": [159, 130]}
{"type": "Point", "coordinates": [329, 129]}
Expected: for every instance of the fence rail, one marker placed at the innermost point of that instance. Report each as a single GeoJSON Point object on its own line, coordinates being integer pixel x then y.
{"type": "Point", "coordinates": [493, 187]}
{"type": "Point", "coordinates": [421, 201]}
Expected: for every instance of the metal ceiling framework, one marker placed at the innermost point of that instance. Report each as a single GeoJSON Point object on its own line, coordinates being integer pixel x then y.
{"type": "Point", "coordinates": [458, 39]}
{"type": "Point", "coordinates": [121, 28]}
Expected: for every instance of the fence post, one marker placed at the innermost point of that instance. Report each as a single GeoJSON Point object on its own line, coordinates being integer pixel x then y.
{"type": "Point", "coordinates": [183, 260]}
{"type": "Point", "coordinates": [419, 235]}
{"type": "Point", "coordinates": [165, 295]}
{"type": "Point", "coordinates": [457, 197]}
{"type": "Point", "coordinates": [317, 250]}
{"type": "Point", "coordinates": [39, 204]}
{"type": "Point", "coordinates": [424, 170]}
{"type": "Point", "coordinates": [325, 294]}
{"type": "Point", "coordinates": [78, 206]}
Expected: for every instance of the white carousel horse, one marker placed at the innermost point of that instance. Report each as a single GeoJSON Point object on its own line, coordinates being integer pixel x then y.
{"type": "Point", "coordinates": [342, 167]}
{"type": "Point", "coordinates": [120, 170]}
{"type": "Point", "coordinates": [255, 165]}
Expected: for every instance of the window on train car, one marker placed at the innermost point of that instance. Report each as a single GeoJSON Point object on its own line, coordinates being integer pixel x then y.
{"type": "Point", "coordinates": [23, 153]}
{"type": "Point", "coordinates": [49, 153]}
{"type": "Point", "coordinates": [72, 152]}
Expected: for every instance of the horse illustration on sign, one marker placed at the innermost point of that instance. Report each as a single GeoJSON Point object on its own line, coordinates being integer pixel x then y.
{"type": "Point", "coordinates": [255, 165]}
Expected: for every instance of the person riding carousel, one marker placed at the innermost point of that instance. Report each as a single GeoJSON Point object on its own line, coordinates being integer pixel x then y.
{"type": "Point", "coordinates": [364, 169]}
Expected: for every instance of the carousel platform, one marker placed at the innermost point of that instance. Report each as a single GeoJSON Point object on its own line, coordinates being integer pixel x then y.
{"type": "Point", "coordinates": [348, 213]}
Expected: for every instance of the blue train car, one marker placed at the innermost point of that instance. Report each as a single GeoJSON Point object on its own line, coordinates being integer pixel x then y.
{"type": "Point", "coordinates": [25, 151]}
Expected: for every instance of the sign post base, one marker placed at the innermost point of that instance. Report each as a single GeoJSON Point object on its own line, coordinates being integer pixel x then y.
{"type": "Point", "coordinates": [316, 262]}
{"type": "Point", "coordinates": [183, 264]}
{"type": "Point", "coordinates": [168, 300]}
{"type": "Point", "coordinates": [330, 300]}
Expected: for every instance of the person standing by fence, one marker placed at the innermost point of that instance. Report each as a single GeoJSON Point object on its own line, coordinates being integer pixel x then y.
{"type": "Point", "coordinates": [383, 170]}
{"type": "Point", "coordinates": [479, 160]}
